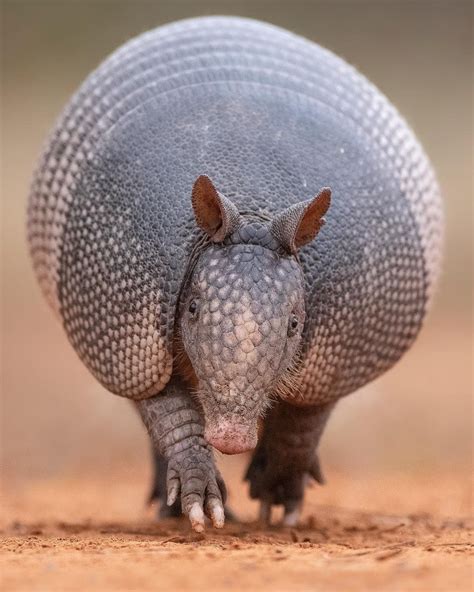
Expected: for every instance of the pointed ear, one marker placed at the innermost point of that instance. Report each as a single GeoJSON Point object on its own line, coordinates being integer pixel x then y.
{"type": "Point", "coordinates": [299, 224]}
{"type": "Point", "coordinates": [214, 213]}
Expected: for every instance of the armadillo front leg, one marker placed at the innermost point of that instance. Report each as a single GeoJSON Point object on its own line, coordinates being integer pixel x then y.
{"type": "Point", "coordinates": [286, 457]}
{"type": "Point", "coordinates": [176, 427]}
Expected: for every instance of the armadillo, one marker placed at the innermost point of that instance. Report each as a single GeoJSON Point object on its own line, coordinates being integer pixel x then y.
{"type": "Point", "coordinates": [235, 229]}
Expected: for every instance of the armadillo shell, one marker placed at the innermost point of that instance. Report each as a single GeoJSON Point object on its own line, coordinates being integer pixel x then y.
{"type": "Point", "coordinates": [271, 118]}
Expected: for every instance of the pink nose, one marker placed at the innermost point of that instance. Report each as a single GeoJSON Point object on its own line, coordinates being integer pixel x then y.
{"type": "Point", "coordinates": [231, 439]}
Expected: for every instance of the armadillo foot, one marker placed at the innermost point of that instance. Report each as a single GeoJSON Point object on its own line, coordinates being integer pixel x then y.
{"type": "Point", "coordinates": [275, 485]}
{"type": "Point", "coordinates": [193, 478]}
{"type": "Point", "coordinates": [291, 516]}
{"type": "Point", "coordinates": [286, 458]}
{"type": "Point", "coordinates": [159, 494]}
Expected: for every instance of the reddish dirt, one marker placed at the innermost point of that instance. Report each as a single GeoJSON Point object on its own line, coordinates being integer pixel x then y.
{"type": "Point", "coordinates": [94, 534]}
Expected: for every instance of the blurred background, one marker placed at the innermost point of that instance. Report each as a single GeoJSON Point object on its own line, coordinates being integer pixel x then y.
{"type": "Point", "coordinates": [56, 420]}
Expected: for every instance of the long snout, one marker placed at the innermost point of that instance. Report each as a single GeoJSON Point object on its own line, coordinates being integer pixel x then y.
{"type": "Point", "coordinates": [230, 436]}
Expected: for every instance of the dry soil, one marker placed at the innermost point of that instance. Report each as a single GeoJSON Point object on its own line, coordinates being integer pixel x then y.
{"type": "Point", "coordinates": [94, 533]}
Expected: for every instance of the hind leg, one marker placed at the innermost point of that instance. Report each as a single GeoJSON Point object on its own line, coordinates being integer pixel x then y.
{"type": "Point", "coordinates": [159, 487]}
{"type": "Point", "coordinates": [286, 457]}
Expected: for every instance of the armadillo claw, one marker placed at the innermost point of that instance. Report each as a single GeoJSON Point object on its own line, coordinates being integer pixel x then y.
{"type": "Point", "coordinates": [173, 491]}
{"type": "Point", "coordinates": [196, 517]}
{"type": "Point", "coordinates": [215, 511]}
{"type": "Point", "coordinates": [292, 515]}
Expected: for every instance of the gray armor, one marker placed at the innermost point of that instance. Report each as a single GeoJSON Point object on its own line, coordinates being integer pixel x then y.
{"type": "Point", "coordinates": [176, 227]}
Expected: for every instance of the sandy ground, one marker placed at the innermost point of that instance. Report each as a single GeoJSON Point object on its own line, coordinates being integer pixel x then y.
{"type": "Point", "coordinates": [94, 533]}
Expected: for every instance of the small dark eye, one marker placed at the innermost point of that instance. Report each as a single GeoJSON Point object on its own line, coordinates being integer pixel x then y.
{"type": "Point", "coordinates": [193, 307]}
{"type": "Point", "coordinates": [293, 325]}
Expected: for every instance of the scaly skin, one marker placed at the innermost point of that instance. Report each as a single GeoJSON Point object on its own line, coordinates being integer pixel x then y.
{"type": "Point", "coordinates": [285, 457]}
{"type": "Point", "coordinates": [176, 428]}
{"type": "Point", "coordinates": [271, 118]}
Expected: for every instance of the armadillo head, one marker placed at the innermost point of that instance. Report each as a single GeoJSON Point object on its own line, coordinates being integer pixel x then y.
{"type": "Point", "coordinates": [242, 311]}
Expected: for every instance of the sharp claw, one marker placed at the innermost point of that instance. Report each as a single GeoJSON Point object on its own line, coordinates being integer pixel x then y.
{"type": "Point", "coordinates": [217, 515]}
{"type": "Point", "coordinates": [292, 518]}
{"type": "Point", "coordinates": [265, 513]}
{"type": "Point", "coordinates": [172, 494]}
{"type": "Point", "coordinates": [316, 473]}
{"type": "Point", "coordinates": [196, 517]}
